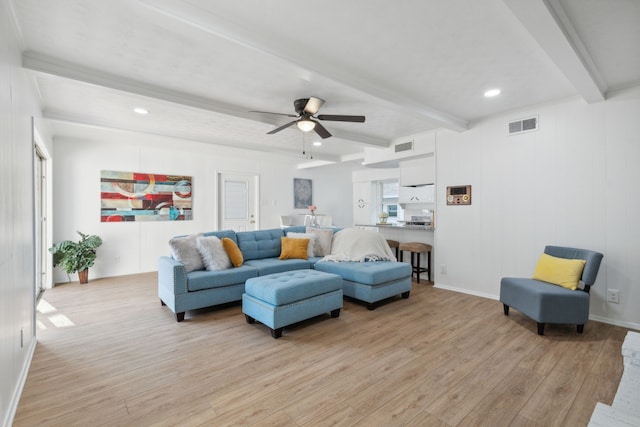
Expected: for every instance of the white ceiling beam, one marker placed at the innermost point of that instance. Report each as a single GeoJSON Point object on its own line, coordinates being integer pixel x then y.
{"type": "Point", "coordinates": [286, 50]}
{"type": "Point", "coordinates": [75, 120]}
{"type": "Point", "coordinates": [42, 63]}
{"type": "Point", "coordinates": [549, 25]}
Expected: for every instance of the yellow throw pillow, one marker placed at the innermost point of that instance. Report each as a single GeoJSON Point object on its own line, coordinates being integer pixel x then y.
{"type": "Point", "coordinates": [294, 248]}
{"type": "Point", "coordinates": [559, 271]}
{"type": "Point", "coordinates": [235, 255]}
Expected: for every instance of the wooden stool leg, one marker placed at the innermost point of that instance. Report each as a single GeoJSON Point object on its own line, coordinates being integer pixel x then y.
{"type": "Point", "coordinates": [418, 266]}
{"type": "Point", "coordinates": [429, 265]}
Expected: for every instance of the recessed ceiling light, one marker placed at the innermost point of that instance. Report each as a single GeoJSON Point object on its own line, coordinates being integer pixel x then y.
{"type": "Point", "coordinates": [140, 110]}
{"type": "Point", "coordinates": [492, 92]}
{"type": "Point", "coordinates": [317, 143]}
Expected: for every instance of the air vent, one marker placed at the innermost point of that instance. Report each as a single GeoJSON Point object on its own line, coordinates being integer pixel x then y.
{"type": "Point", "coordinates": [523, 125]}
{"type": "Point", "coordinates": [405, 146]}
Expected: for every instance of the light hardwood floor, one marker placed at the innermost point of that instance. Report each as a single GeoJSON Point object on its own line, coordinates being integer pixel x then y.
{"type": "Point", "coordinates": [439, 358]}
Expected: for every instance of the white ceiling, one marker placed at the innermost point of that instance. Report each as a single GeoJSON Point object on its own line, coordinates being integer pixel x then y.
{"type": "Point", "coordinates": [410, 66]}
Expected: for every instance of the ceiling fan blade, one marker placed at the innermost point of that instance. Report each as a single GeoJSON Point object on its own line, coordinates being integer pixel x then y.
{"type": "Point", "coordinates": [313, 105]}
{"type": "Point", "coordinates": [322, 131]}
{"type": "Point", "coordinates": [341, 118]}
{"type": "Point", "coordinates": [276, 114]}
{"type": "Point", "coordinates": [282, 127]}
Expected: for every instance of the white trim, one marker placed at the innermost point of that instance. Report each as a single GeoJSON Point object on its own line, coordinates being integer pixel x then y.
{"type": "Point", "coordinates": [467, 291]}
{"type": "Point", "coordinates": [595, 318]}
{"type": "Point", "coordinates": [622, 323]}
{"type": "Point", "coordinates": [15, 398]}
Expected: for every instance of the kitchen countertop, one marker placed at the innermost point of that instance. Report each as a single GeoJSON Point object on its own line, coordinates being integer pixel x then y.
{"type": "Point", "coordinates": [399, 226]}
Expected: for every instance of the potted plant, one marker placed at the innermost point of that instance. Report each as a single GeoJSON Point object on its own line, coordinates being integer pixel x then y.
{"type": "Point", "coordinates": [76, 256]}
{"type": "Point", "coordinates": [383, 217]}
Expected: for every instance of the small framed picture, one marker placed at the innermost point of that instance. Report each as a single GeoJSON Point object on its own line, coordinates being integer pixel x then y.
{"type": "Point", "coordinates": [302, 193]}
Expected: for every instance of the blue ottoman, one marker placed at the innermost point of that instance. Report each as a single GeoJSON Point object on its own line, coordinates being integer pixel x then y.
{"type": "Point", "coordinates": [281, 299]}
{"type": "Point", "coordinates": [371, 281]}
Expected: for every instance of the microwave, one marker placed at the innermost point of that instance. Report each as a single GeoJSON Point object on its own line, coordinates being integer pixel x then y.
{"type": "Point", "coordinates": [459, 195]}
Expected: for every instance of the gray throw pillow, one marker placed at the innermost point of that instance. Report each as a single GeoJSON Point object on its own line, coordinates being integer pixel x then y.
{"type": "Point", "coordinates": [185, 250]}
{"type": "Point", "coordinates": [213, 254]}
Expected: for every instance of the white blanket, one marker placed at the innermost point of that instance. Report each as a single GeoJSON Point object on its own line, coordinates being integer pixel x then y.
{"type": "Point", "coordinates": [354, 244]}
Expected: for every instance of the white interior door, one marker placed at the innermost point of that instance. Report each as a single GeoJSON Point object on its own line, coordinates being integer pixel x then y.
{"type": "Point", "coordinates": [238, 202]}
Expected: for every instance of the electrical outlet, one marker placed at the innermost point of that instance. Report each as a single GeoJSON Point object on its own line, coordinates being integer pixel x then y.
{"type": "Point", "coordinates": [613, 295]}
{"type": "Point", "coordinates": [443, 268]}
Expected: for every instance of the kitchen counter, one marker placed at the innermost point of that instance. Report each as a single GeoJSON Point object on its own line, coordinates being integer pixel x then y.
{"type": "Point", "coordinates": [398, 226]}
{"type": "Point", "coordinates": [408, 233]}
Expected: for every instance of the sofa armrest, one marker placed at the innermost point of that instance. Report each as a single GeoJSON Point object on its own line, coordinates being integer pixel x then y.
{"type": "Point", "coordinates": [172, 275]}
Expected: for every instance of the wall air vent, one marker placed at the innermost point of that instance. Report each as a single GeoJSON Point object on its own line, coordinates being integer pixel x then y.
{"type": "Point", "coordinates": [404, 146]}
{"type": "Point", "coordinates": [529, 124]}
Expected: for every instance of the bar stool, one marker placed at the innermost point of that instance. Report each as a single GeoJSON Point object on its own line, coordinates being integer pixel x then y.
{"type": "Point", "coordinates": [394, 244]}
{"type": "Point", "coordinates": [417, 248]}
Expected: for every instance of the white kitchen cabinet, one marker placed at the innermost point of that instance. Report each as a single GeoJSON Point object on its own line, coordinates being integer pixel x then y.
{"type": "Point", "coordinates": [418, 171]}
{"type": "Point", "coordinates": [419, 194]}
{"type": "Point", "coordinates": [363, 203]}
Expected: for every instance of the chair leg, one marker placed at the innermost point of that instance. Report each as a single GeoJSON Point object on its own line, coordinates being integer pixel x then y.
{"type": "Point", "coordinates": [505, 307]}
{"type": "Point", "coordinates": [580, 328]}
{"type": "Point", "coordinates": [429, 266]}
{"type": "Point", "coordinates": [540, 328]}
{"type": "Point", "coordinates": [417, 265]}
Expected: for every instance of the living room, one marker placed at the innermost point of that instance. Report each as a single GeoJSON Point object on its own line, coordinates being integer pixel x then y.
{"type": "Point", "coordinates": [567, 183]}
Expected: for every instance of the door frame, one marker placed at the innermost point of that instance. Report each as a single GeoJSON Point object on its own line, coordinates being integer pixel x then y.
{"type": "Point", "coordinates": [40, 150]}
{"type": "Point", "coordinates": [220, 193]}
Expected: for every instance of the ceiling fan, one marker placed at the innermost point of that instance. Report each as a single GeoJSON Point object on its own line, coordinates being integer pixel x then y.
{"type": "Point", "coordinates": [306, 119]}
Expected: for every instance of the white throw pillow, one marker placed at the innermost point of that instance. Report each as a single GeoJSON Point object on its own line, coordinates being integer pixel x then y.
{"type": "Point", "coordinates": [323, 240]}
{"type": "Point", "coordinates": [312, 241]}
{"type": "Point", "coordinates": [213, 254]}
{"type": "Point", "coordinates": [185, 250]}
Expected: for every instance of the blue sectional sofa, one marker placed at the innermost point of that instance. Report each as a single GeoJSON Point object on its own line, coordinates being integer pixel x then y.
{"type": "Point", "coordinates": [182, 291]}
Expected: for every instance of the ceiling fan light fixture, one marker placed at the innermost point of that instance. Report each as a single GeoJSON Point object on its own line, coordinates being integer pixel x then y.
{"type": "Point", "coordinates": [306, 125]}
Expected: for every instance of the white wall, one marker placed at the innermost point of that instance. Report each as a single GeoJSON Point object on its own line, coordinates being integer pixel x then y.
{"type": "Point", "coordinates": [135, 246]}
{"type": "Point", "coordinates": [571, 183]}
{"type": "Point", "coordinates": [17, 307]}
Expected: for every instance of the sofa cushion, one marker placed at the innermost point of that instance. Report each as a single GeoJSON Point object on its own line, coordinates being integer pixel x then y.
{"type": "Point", "coordinates": [235, 255]}
{"type": "Point", "coordinates": [223, 233]}
{"type": "Point", "coordinates": [368, 273]}
{"type": "Point", "coordinates": [185, 250]}
{"type": "Point", "coordinates": [559, 271]}
{"type": "Point", "coordinates": [310, 236]}
{"type": "Point", "coordinates": [287, 287]}
{"type": "Point", "coordinates": [294, 248]}
{"type": "Point", "coordinates": [213, 254]}
{"type": "Point", "coordinates": [199, 280]}
{"type": "Point", "coordinates": [260, 244]}
{"type": "Point", "coordinates": [324, 237]}
{"type": "Point", "coordinates": [275, 265]}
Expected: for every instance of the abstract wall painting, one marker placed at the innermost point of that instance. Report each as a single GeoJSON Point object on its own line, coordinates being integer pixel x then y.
{"type": "Point", "coordinates": [302, 193]}
{"type": "Point", "coordinates": [133, 196]}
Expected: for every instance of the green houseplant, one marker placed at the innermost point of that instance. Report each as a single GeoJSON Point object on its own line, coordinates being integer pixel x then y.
{"type": "Point", "coordinates": [76, 256]}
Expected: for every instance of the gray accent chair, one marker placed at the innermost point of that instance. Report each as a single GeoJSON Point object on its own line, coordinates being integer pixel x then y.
{"type": "Point", "coordinates": [548, 303]}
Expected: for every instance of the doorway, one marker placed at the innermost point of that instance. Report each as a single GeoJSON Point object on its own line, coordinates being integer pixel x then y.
{"type": "Point", "coordinates": [40, 219]}
{"type": "Point", "coordinates": [237, 202]}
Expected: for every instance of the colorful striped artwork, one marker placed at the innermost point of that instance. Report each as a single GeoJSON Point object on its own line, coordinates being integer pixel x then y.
{"type": "Point", "coordinates": [132, 196]}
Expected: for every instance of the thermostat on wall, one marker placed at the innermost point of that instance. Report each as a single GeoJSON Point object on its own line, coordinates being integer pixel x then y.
{"type": "Point", "coordinates": [459, 195]}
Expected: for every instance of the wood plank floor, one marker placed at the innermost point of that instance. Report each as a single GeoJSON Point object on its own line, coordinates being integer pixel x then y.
{"type": "Point", "coordinates": [109, 355]}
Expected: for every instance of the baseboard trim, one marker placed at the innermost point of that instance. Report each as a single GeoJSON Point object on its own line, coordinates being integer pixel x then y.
{"type": "Point", "coordinates": [15, 399]}
{"type": "Point", "coordinates": [622, 323]}
{"type": "Point", "coordinates": [466, 291]}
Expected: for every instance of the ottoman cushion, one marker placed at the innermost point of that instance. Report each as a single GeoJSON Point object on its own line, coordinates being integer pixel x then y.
{"type": "Point", "coordinates": [368, 273]}
{"type": "Point", "coordinates": [287, 287]}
